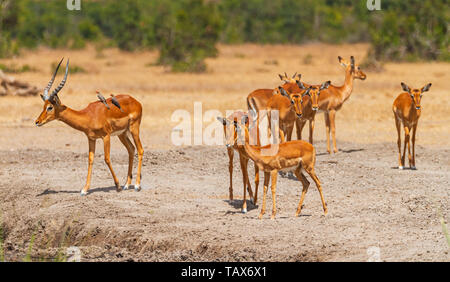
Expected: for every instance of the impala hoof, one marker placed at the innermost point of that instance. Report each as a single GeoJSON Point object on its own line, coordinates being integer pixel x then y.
{"type": "Point", "coordinates": [413, 168]}
{"type": "Point", "coordinates": [400, 167]}
{"type": "Point", "coordinates": [137, 188]}
{"type": "Point", "coordinates": [125, 187]}
{"type": "Point", "coordinates": [244, 210]}
{"type": "Point", "coordinates": [83, 193]}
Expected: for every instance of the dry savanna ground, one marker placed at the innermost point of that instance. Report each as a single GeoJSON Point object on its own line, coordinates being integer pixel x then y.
{"type": "Point", "coordinates": [183, 211]}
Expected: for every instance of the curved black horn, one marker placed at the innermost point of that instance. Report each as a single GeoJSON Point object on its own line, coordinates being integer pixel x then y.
{"type": "Point", "coordinates": [295, 74]}
{"type": "Point", "coordinates": [61, 85]}
{"type": "Point", "coordinates": [352, 62]}
{"type": "Point", "coordinates": [49, 85]}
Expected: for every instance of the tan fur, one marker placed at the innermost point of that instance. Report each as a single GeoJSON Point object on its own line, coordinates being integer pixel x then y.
{"type": "Point", "coordinates": [407, 111]}
{"type": "Point", "coordinates": [294, 155]}
{"type": "Point", "coordinates": [96, 121]}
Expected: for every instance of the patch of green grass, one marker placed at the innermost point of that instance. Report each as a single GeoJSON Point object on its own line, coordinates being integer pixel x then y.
{"type": "Point", "coordinates": [30, 247]}
{"type": "Point", "coordinates": [15, 69]}
{"type": "Point", "coordinates": [444, 227]}
{"type": "Point", "coordinates": [72, 69]}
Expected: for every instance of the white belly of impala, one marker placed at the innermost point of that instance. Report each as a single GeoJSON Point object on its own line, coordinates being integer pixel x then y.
{"type": "Point", "coordinates": [115, 133]}
{"type": "Point", "coordinates": [289, 169]}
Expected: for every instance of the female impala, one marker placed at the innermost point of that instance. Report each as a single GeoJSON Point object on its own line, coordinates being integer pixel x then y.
{"type": "Point", "coordinates": [332, 99]}
{"type": "Point", "coordinates": [97, 121]}
{"type": "Point", "coordinates": [407, 111]}
{"type": "Point", "coordinates": [232, 145]}
{"type": "Point", "coordinates": [291, 156]}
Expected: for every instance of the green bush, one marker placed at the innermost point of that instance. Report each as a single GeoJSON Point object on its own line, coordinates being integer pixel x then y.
{"type": "Point", "coordinates": [190, 37]}
{"type": "Point", "coordinates": [402, 30]}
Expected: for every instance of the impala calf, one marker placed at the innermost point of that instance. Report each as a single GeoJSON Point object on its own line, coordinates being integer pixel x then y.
{"type": "Point", "coordinates": [232, 145]}
{"type": "Point", "coordinates": [293, 156]}
{"type": "Point", "coordinates": [310, 107]}
{"type": "Point", "coordinates": [97, 121]}
{"type": "Point", "coordinates": [407, 112]}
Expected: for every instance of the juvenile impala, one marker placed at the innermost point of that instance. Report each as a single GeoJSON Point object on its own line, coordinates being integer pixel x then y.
{"type": "Point", "coordinates": [332, 99]}
{"type": "Point", "coordinates": [407, 112]}
{"type": "Point", "coordinates": [294, 156]}
{"type": "Point", "coordinates": [97, 121]}
{"type": "Point", "coordinates": [232, 145]}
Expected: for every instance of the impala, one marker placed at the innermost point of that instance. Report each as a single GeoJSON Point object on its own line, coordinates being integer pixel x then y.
{"type": "Point", "coordinates": [293, 156]}
{"type": "Point", "coordinates": [97, 121]}
{"type": "Point", "coordinates": [407, 112]}
{"type": "Point", "coordinates": [232, 145]}
{"type": "Point", "coordinates": [332, 98]}
{"type": "Point", "coordinates": [257, 100]}
{"type": "Point", "coordinates": [310, 107]}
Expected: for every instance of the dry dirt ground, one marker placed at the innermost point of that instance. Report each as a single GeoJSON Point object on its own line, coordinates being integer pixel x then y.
{"type": "Point", "coordinates": [183, 212]}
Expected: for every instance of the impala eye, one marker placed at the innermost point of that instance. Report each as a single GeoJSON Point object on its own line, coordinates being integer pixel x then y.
{"type": "Point", "coordinates": [49, 109]}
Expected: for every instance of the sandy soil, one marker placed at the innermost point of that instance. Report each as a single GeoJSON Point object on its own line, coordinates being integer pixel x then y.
{"type": "Point", "coordinates": [183, 212]}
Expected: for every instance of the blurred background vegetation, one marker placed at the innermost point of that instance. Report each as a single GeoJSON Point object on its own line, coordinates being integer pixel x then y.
{"type": "Point", "coordinates": [186, 31]}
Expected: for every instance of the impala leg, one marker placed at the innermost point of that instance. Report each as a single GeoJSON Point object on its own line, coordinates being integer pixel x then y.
{"type": "Point", "coordinates": [91, 161]}
{"type": "Point", "coordinates": [332, 116]}
{"type": "Point", "coordinates": [137, 141]}
{"type": "Point", "coordinates": [230, 170]}
{"type": "Point", "coordinates": [255, 196]}
{"type": "Point", "coordinates": [266, 184]}
{"type": "Point", "coordinates": [399, 142]}
{"type": "Point", "coordinates": [273, 187]}
{"type": "Point", "coordinates": [289, 129]}
{"type": "Point", "coordinates": [299, 124]}
{"type": "Point", "coordinates": [245, 181]}
{"type": "Point", "coordinates": [311, 172]}
{"type": "Point", "coordinates": [327, 126]}
{"type": "Point", "coordinates": [249, 187]}
{"type": "Point", "coordinates": [130, 148]}
{"type": "Point", "coordinates": [311, 130]}
{"type": "Point", "coordinates": [409, 149]}
{"type": "Point", "coordinates": [414, 147]}
{"type": "Point", "coordinates": [404, 145]}
{"type": "Point", "coordinates": [107, 148]}
{"type": "Point", "coordinates": [305, 183]}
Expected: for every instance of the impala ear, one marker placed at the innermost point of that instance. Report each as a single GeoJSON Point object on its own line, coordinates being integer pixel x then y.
{"type": "Point", "coordinates": [299, 76]}
{"type": "Point", "coordinates": [283, 91]}
{"type": "Point", "coordinates": [224, 121]}
{"type": "Point", "coordinates": [295, 74]}
{"type": "Point", "coordinates": [341, 61]}
{"type": "Point", "coordinates": [325, 85]}
{"type": "Point", "coordinates": [306, 93]}
{"type": "Point", "coordinates": [405, 87]}
{"type": "Point", "coordinates": [244, 119]}
{"type": "Point", "coordinates": [300, 85]}
{"type": "Point", "coordinates": [426, 87]}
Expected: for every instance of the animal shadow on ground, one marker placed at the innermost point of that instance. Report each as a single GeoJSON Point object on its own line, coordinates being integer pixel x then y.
{"type": "Point", "coordinates": [352, 150]}
{"type": "Point", "coordinates": [237, 204]}
{"type": "Point", "coordinates": [95, 190]}
{"type": "Point", "coordinates": [404, 168]}
{"type": "Point", "coordinates": [288, 175]}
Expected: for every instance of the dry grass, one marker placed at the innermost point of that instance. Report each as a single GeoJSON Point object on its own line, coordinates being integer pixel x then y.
{"type": "Point", "coordinates": [365, 118]}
